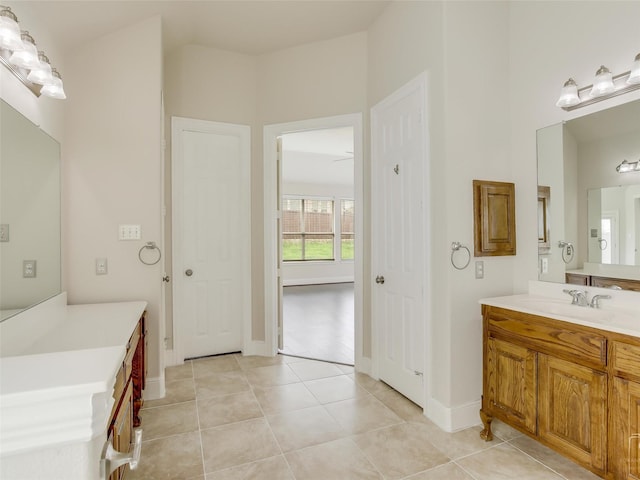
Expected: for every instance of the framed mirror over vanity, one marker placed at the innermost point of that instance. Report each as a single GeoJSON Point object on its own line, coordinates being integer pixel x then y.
{"type": "Point", "coordinates": [593, 214]}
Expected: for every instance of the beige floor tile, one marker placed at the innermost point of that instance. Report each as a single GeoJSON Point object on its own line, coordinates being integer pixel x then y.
{"type": "Point", "coordinates": [302, 428]}
{"type": "Point", "coordinates": [505, 462]}
{"type": "Point", "coordinates": [449, 471]}
{"type": "Point", "coordinates": [216, 411]}
{"type": "Point", "coordinates": [553, 460]}
{"type": "Point", "coordinates": [504, 431]}
{"type": "Point", "coordinates": [346, 369]}
{"type": "Point", "coordinates": [274, 468]}
{"type": "Point", "coordinates": [211, 365]}
{"type": "Point", "coordinates": [334, 389]}
{"type": "Point", "coordinates": [340, 459]}
{"type": "Point", "coordinates": [224, 383]}
{"type": "Point", "coordinates": [284, 398]}
{"type": "Point", "coordinates": [401, 405]}
{"type": "Point", "coordinates": [173, 458]}
{"type": "Point", "coordinates": [401, 450]}
{"type": "Point", "coordinates": [271, 375]}
{"type": "Point", "coordinates": [458, 444]}
{"type": "Point", "coordinates": [254, 361]}
{"type": "Point", "coordinates": [311, 370]}
{"type": "Point", "coordinates": [237, 443]}
{"type": "Point", "coordinates": [368, 383]}
{"type": "Point", "coordinates": [179, 372]}
{"type": "Point", "coordinates": [169, 420]}
{"type": "Point", "coordinates": [362, 414]}
{"type": "Point", "coordinates": [177, 391]}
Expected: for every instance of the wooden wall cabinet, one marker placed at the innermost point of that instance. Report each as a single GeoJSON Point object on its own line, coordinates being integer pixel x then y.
{"type": "Point", "coordinates": [573, 388]}
{"type": "Point", "coordinates": [127, 393]}
{"type": "Point", "coordinates": [494, 218]}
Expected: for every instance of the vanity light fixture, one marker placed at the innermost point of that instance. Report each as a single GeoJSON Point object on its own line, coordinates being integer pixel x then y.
{"type": "Point", "coordinates": [634, 76]}
{"type": "Point", "coordinates": [26, 58]}
{"type": "Point", "coordinates": [604, 82]}
{"type": "Point", "coordinates": [18, 52]}
{"type": "Point", "coordinates": [54, 90]}
{"type": "Point", "coordinates": [9, 30]}
{"type": "Point", "coordinates": [605, 86]}
{"type": "Point", "coordinates": [627, 167]}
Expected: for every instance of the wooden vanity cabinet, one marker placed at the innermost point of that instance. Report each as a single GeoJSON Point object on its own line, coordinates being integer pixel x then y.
{"type": "Point", "coordinates": [573, 388]}
{"type": "Point", "coordinates": [127, 393]}
{"type": "Point", "coordinates": [601, 282]}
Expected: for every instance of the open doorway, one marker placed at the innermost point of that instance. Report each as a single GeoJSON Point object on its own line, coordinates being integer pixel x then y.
{"type": "Point", "coordinates": [317, 244]}
{"type": "Point", "coordinates": [274, 274]}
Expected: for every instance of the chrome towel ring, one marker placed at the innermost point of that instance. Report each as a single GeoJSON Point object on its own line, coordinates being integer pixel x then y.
{"type": "Point", "coordinates": [455, 247]}
{"type": "Point", "coordinates": [150, 246]}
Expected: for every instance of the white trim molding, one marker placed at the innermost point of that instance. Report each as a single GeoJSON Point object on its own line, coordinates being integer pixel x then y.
{"type": "Point", "coordinates": [271, 133]}
{"type": "Point", "coordinates": [453, 419]}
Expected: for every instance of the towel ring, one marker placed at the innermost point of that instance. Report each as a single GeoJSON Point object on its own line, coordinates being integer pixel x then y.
{"type": "Point", "coordinates": [150, 246]}
{"type": "Point", "coordinates": [456, 246]}
{"type": "Point", "coordinates": [601, 242]}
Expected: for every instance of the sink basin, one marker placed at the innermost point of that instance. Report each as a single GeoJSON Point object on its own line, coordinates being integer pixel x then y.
{"type": "Point", "coordinates": [552, 306]}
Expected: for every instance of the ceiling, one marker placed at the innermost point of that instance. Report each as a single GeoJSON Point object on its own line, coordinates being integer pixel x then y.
{"type": "Point", "coordinates": [320, 157]}
{"type": "Point", "coordinates": [247, 26]}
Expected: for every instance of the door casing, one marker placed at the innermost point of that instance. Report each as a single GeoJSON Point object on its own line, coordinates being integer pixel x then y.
{"type": "Point", "coordinates": [272, 242]}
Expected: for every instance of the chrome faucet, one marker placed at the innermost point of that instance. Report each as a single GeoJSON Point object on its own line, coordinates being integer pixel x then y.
{"type": "Point", "coordinates": [579, 297]}
{"type": "Point", "coordinates": [595, 300]}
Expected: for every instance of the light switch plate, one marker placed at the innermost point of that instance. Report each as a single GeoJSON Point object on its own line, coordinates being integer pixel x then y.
{"type": "Point", "coordinates": [4, 232]}
{"type": "Point", "coordinates": [101, 266]}
{"type": "Point", "coordinates": [129, 232]}
{"type": "Point", "coordinates": [29, 269]}
{"type": "Point", "coordinates": [479, 269]}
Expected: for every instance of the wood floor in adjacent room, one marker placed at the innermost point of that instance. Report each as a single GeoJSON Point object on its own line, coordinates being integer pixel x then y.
{"type": "Point", "coordinates": [319, 322]}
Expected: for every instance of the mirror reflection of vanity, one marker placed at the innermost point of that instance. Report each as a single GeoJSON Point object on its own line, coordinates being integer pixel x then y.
{"type": "Point", "coordinates": [29, 214]}
{"type": "Point", "coordinates": [592, 211]}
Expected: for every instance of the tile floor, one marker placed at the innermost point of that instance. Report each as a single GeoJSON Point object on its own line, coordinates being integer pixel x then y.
{"type": "Point", "coordinates": [318, 322]}
{"type": "Point", "coordinates": [285, 418]}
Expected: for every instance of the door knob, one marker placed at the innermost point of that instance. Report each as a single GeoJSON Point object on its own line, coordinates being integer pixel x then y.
{"type": "Point", "coordinates": [380, 279]}
{"type": "Point", "coordinates": [188, 272]}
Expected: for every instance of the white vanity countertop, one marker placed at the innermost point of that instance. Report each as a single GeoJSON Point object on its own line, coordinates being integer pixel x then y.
{"type": "Point", "coordinates": [620, 315]}
{"type": "Point", "coordinates": [58, 388]}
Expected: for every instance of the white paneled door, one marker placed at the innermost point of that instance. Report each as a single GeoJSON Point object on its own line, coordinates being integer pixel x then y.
{"type": "Point", "coordinates": [398, 243]}
{"type": "Point", "coordinates": [211, 236]}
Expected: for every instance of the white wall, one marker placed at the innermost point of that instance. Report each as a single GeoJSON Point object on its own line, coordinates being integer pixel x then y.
{"type": "Point", "coordinates": [112, 171]}
{"type": "Point", "coordinates": [216, 85]}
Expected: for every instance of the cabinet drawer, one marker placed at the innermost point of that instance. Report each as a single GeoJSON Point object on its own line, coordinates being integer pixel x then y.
{"type": "Point", "coordinates": [625, 358]}
{"type": "Point", "coordinates": [131, 350]}
{"type": "Point", "coordinates": [606, 282]}
{"type": "Point", "coordinates": [550, 337]}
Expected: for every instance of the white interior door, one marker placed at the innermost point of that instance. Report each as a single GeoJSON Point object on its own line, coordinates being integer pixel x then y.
{"type": "Point", "coordinates": [398, 243]}
{"type": "Point", "coordinates": [211, 236]}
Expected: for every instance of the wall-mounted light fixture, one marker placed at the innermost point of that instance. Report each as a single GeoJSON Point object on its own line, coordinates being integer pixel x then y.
{"type": "Point", "coordinates": [626, 167]}
{"type": "Point", "coordinates": [605, 86]}
{"type": "Point", "coordinates": [18, 52]}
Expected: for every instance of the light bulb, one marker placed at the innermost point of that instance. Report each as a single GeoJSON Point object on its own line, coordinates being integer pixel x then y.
{"type": "Point", "coordinates": [603, 83]}
{"type": "Point", "coordinates": [569, 94]}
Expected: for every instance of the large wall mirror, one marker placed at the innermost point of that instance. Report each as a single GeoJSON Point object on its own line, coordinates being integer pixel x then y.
{"type": "Point", "coordinates": [594, 211]}
{"type": "Point", "coordinates": [29, 214]}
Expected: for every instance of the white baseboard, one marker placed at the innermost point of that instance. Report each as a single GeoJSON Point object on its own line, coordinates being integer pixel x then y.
{"type": "Point", "coordinates": [290, 282]}
{"type": "Point", "coordinates": [363, 365]}
{"type": "Point", "coordinates": [154, 388]}
{"type": "Point", "coordinates": [171, 359]}
{"type": "Point", "coordinates": [452, 419]}
{"type": "Point", "coordinates": [256, 347]}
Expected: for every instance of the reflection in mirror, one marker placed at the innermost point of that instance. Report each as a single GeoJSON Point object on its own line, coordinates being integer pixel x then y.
{"type": "Point", "coordinates": [577, 160]}
{"type": "Point", "coordinates": [29, 214]}
{"type": "Point", "coordinates": [614, 225]}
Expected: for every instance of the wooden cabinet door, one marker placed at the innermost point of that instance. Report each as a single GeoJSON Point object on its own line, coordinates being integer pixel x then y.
{"type": "Point", "coordinates": [511, 382]}
{"type": "Point", "coordinates": [625, 428]}
{"type": "Point", "coordinates": [573, 410]}
{"type": "Point", "coordinates": [122, 429]}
